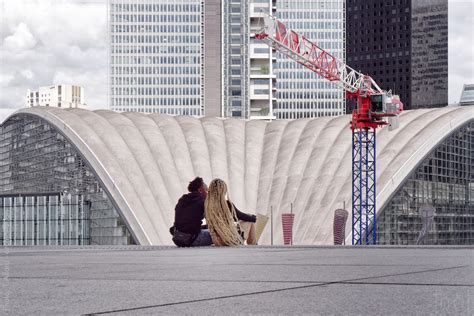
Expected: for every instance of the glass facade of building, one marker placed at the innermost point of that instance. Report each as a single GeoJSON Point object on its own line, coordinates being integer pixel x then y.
{"type": "Point", "coordinates": [429, 53]}
{"type": "Point", "coordinates": [156, 56]}
{"type": "Point", "coordinates": [445, 181]}
{"type": "Point", "coordinates": [48, 193]}
{"type": "Point", "coordinates": [378, 43]}
{"type": "Point", "coordinates": [302, 93]}
{"type": "Point", "coordinates": [403, 45]}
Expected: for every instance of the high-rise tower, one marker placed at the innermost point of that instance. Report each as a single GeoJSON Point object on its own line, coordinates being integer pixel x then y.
{"type": "Point", "coordinates": [157, 56]}
{"type": "Point", "coordinates": [302, 93]}
{"type": "Point", "coordinates": [403, 44]}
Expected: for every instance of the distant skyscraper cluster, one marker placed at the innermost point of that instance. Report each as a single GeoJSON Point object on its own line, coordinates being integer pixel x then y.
{"type": "Point", "coordinates": [403, 45]}
{"type": "Point", "coordinates": [202, 58]}
{"type": "Point", "coordinates": [61, 96]}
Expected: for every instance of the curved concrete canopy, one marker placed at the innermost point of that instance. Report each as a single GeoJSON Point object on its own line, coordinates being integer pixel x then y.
{"type": "Point", "coordinates": [146, 161]}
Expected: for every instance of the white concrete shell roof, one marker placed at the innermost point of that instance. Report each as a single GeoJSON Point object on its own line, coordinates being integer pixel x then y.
{"type": "Point", "coordinates": [146, 161]}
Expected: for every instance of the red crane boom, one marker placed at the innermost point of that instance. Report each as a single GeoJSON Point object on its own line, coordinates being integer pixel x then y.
{"type": "Point", "coordinates": [370, 111]}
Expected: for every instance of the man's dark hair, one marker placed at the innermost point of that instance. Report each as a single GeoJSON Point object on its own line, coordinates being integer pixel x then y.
{"type": "Point", "coordinates": [195, 184]}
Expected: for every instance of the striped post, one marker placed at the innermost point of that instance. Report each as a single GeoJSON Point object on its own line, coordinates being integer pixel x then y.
{"type": "Point", "coordinates": [339, 226]}
{"type": "Point", "coordinates": [287, 222]}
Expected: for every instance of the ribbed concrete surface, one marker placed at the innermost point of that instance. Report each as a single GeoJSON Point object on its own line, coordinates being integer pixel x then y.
{"type": "Point", "coordinates": [146, 161]}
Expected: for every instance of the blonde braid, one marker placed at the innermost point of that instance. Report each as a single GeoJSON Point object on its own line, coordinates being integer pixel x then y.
{"type": "Point", "coordinates": [219, 217]}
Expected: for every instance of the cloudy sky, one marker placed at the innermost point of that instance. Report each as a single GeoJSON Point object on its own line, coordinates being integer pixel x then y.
{"type": "Point", "coordinates": [46, 42]}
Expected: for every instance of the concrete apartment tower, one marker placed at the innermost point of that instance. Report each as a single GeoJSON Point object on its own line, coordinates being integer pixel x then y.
{"type": "Point", "coordinates": [259, 83]}
{"type": "Point", "coordinates": [403, 45]}
{"type": "Point", "coordinates": [246, 75]}
{"type": "Point", "coordinates": [61, 96]}
{"type": "Point", "coordinates": [248, 80]}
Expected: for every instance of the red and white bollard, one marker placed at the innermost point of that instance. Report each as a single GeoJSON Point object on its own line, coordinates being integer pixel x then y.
{"type": "Point", "coordinates": [287, 223]}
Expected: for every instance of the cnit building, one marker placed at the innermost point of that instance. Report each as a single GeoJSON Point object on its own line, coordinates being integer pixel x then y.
{"type": "Point", "coordinates": [191, 57]}
{"type": "Point", "coordinates": [79, 177]}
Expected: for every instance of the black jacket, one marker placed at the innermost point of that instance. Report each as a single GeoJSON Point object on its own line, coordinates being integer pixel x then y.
{"type": "Point", "coordinates": [189, 213]}
{"type": "Point", "coordinates": [243, 216]}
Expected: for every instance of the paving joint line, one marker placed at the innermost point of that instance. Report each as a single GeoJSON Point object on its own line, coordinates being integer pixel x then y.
{"type": "Point", "coordinates": [240, 281]}
{"type": "Point", "coordinates": [268, 291]}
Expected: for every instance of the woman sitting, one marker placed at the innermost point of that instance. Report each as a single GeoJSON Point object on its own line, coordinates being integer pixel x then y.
{"type": "Point", "coordinates": [221, 217]}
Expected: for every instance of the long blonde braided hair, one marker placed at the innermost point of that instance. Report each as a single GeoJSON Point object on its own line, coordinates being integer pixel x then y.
{"type": "Point", "coordinates": [219, 217]}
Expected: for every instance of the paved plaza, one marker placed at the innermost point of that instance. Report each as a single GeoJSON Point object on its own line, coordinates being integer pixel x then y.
{"type": "Point", "coordinates": [248, 280]}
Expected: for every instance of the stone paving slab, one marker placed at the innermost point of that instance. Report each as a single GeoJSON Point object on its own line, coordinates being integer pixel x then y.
{"type": "Point", "coordinates": [247, 280]}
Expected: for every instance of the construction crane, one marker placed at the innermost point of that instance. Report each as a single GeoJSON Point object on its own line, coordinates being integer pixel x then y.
{"type": "Point", "coordinates": [374, 106]}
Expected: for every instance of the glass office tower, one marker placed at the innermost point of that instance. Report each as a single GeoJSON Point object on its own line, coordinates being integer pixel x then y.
{"type": "Point", "coordinates": [403, 45]}
{"type": "Point", "coordinates": [302, 93]}
{"type": "Point", "coordinates": [156, 56]}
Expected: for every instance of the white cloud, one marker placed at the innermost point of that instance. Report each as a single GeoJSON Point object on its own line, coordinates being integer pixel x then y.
{"type": "Point", "coordinates": [21, 40]}
{"type": "Point", "coordinates": [460, 46]}
{"type": "Point", "coordinates": [5, 79]}
{"type": "Point", "coordinates": [45, 41]}
{"type": "Point", "coordinates": [27, 73]}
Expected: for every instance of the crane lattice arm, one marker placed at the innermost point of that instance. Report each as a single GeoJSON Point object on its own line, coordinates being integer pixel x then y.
{"type": "Point", "coordinates": [357, 85]}
{"type": "Point", "coordinates": [310, 55]}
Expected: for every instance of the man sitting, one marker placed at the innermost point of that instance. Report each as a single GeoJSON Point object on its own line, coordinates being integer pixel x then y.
{"type": "Point", "coordinates": [189, 213]}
